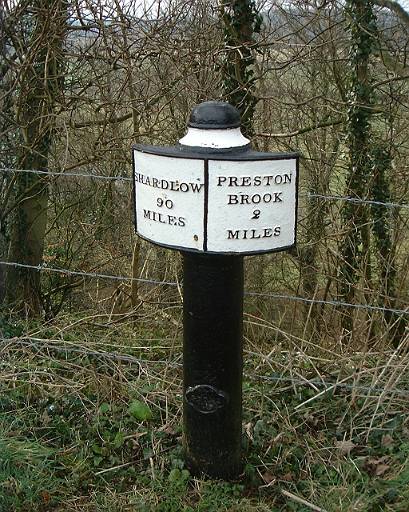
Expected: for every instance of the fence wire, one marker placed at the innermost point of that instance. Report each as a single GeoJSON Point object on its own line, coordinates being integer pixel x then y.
{"type": "Point", "coordinates": [44, 268]}
{"type": "Point", "coordinates": [173, 283]}
{"type": "Point", "coordinates": [42, 345]}
{"type": "Point", "coordinates": [308, 195]}
{"type": "Point", "coordinates": [67, 174]}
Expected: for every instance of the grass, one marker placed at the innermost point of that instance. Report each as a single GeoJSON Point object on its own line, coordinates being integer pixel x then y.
{"type": "Point", "coordinates": [85, 425]}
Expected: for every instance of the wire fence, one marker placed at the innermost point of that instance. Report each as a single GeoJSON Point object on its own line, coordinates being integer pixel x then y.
{"type": "Point", "coordinates": [308, 195]}
{"type": "Point", "coordinates": [66, 271]}
{"type": "Point", "coordinates": [173, 283]}
{"type": "Point", "coordinates": [67, 174]}
{"type": "Point", "coordinates": [47, 345]}
{"type": "Point", "coordinates": [321, 386]}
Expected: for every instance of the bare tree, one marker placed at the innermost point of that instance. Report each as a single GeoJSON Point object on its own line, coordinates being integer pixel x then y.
{"type": "Point", "coordinates": [34, 32]}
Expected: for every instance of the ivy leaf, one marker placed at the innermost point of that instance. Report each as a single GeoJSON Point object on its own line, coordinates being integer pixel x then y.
{"type": "Point", "coordinates": [174, 475]}
{"type": "Point", "coordinates": [177, 475]}
{"type": "Point", "coordinates": [140, 411]}
{"type": "Point", "coordinates": [119, 439]}
{"type": "Point", "coordinates": [97, 449]}
{"type": "Point", "coordinates": [104, 408]}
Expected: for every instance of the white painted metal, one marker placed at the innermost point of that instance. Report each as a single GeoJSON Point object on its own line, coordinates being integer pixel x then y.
{"type": "Point", "coordinates": [252, 205]}
{"type": "Point", "coordinates": [169, 200]}
{"type": "Point", "coordinates": [217, 139]}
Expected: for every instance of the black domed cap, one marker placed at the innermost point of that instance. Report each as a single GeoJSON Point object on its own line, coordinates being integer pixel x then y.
{"type": "Point", "coordinates": [214, 115]}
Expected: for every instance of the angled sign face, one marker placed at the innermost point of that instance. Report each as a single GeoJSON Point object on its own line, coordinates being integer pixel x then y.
{"type": "Point", "coordinates": [241, 202]}
{"type": "Point", "coordinates": [169, 200]}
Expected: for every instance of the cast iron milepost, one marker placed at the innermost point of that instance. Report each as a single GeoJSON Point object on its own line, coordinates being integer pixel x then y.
{"type": "Point", "coordinates": [215, 199]}
{"type": "Point", "coordinates": [212, 357]}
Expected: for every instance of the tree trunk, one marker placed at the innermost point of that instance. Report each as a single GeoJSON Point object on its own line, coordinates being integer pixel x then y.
{"type": "Point", "coordinates": [383, 238]}
{"type": "Point", "coordinates": [355, 248]}
{"type": "Point", "coordinates": [39, 85]}
{"type": "Point", "coordinates": [240, 22]}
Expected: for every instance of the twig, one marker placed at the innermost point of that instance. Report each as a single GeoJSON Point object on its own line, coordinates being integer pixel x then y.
{"type": "Point", "coordinates": [326, 390]}
{"type": "Point", "coordinates": [114, 468]}
{"type": "Point", "coordinates": [302, 501]}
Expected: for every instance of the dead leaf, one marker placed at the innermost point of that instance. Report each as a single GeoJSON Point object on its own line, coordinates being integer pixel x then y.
{"type": "Point", "coordinates": [168, 430]}
{"type": "Point", "coordinates": [45, 495]}
{"type": "Point", "coordinates": [267, 477]}
{"type": "Point", "coordinates": [288, 477]}
{"type": "Point", "coordinates": [381, 469]}
{"type": "Point", "coordinates": [345, 446]}
{"type": "Point", "coordinates": [311, 419]}
{"type": "Point", "coordinates": [45, 418]}
{"type": "Point", "coordinates": [387, 441]}
{"type": "Point", "coordinates": [376, 467]}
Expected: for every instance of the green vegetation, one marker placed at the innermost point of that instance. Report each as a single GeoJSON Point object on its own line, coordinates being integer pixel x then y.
{"type": "Point", "coordinates": [90, 366]}
{"type": "Point", "coordinates": [85, 426]}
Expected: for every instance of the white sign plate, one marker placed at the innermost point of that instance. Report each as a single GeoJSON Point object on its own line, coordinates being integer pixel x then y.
{"type": "Point", "coordinates": [169, 200]}
{"type": "Point", "coordinates": [252, 205]}
{"type": "Point", "coordinates": [237, 206]}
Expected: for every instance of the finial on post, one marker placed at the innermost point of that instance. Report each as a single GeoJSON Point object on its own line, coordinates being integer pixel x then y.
{"type": "Point", "coordinates": [214, 124]}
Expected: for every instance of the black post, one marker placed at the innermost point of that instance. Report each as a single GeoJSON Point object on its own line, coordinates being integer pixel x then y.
{"type": "Point", "coordinates": [213, 325]}
{"type": "Point", "coordinates": [214, 199]}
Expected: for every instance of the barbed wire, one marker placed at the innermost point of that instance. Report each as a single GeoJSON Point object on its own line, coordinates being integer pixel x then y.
{"type": "Point", "coordinates": [66, 174]}
{"type": "Point", "coordinates": [329, 302]}
{"type": "Point", "coordinates": [45, 345]}
{"type": "Point", "coordinates": [172, 283]}
{"type": "Point", "coordinates": [356, 200]}
{"type": "Point", "coordinates": [308, 195]}
{"type": "Point", "coordinates": [331, 385]}
{"type": "Point", "coordinates": [44, 268]}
